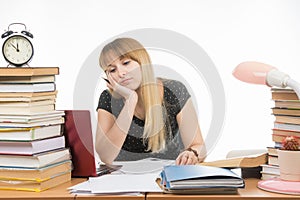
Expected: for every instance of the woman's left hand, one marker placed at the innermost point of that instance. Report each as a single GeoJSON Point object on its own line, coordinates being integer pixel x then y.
{"type": "Point", "coordinates": [186, 158]}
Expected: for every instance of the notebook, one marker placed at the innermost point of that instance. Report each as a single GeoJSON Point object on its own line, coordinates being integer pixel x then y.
{"type": "Point", "coordinates": [79, 138]}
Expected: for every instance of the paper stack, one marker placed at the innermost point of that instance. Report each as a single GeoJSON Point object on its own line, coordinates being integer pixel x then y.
{"type": "Point", "coordinates": [33, 156]}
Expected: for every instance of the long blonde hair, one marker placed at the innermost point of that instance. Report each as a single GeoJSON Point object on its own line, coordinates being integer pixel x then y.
{"type": "Point", "coordinates": [154, 129]}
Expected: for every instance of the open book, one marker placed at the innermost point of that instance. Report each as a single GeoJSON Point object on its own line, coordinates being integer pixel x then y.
{"type": "Point", "coordinates": [241, 159]}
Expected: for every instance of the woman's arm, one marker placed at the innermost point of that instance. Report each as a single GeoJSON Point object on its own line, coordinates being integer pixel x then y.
{"type": "Point", "coordinates": [191, 135]}
{"type": "Point", "coordinates": [111, 132]}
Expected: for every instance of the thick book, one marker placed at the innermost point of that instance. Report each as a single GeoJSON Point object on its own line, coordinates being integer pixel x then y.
{"type": "Point", "coordinates": [240, 159]}
{"type": "Point", "coordinates": [286, 111]}
{"type": "Point", "coordinates": [270, 169]}
{"type": "Point", "coordinates": [27, 87]}
{"type": "Point", "coordinates": [35, 161]}
{"type": "Point", "coordinates": [28, 71]}
{"type": "Point", "coordinates": [35, 186]}
{"type": "Point", "coordinates": [287, 119]}
{"type": "Point", "coordinates": [34, 117]}
{"type": "Point", "coordinates": [272, 151]}
{"type": "Point", "coordinates": [21, 104]}
{"type": "Point", "coordinates": [286, 133]}
{"type": "Point", "coordinates": [287, 127]}
{"type": "Point", "coordinates": [287, 104]}
{"type": "Point", "coordinates": [199, 179]}
{"type": "Point", "coordinates": [31, 147]}
{"type": "Point", "coordinates": [266, 176]}
{"type": "Point", "coordinates": [39, 174]}
{"type": "Point", "coordinates": [30, 134]}
{"type": "Point", "coordinates": [27, 79]}
{"type": "Point", "coordinates": [283, 94]}
{"type": "Point", "coordinates": [273, 160]}
{"type": "Point", "coordinates": [45, 122]}
{"type": "Point", "coordinates": [26, 96]}
{"type": "Point", "coordinates": [11, 110]}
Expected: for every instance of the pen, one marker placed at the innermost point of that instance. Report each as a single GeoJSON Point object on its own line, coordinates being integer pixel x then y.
{"type": "Point", "coordinates": [106, 80]}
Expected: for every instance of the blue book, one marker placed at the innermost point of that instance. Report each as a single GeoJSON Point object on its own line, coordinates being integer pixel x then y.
{"type": "Point", "coordinates": [199, 179]}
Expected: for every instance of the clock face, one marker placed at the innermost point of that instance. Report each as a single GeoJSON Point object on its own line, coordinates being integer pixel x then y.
{"type": "Point", "coordinates": [17, 50]}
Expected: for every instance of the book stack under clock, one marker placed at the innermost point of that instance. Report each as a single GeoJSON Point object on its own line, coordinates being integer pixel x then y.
{"type": "Point", "coordinates": [286, 112]}
{"type": "Point", "coordinates": [33, 155]}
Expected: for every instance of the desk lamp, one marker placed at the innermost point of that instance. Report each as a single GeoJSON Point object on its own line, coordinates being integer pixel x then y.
{"type": "Point", "coordinates": [260, 73]}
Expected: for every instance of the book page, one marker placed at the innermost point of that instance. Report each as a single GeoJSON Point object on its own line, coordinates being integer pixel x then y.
{"type": "Point", "coordinates": [245, 153]}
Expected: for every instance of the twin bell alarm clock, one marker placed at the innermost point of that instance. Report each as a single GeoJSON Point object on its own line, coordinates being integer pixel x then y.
{"type": "Point", "coordinates": [17, 48]}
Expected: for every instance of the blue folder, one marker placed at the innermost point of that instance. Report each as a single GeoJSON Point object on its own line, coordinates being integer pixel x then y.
{"type": "Point", "coordinates": [199, 179]}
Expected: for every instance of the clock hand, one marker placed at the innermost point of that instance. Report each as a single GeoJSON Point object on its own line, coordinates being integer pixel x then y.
{"type": "Point", "coordinates": [18, 47]}
{"type": "Point", "coordinates": [14, 47]}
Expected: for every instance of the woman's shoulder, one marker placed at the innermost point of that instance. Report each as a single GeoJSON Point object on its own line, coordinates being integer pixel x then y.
{"type": "Point", "coordinates": [175, 92]}
{"type": "Point", "coordinates": [105, 94]}
{"type": "Point", "coordinates": [173, 85]}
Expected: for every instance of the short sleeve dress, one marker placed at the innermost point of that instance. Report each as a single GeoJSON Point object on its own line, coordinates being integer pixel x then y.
{"type": "Point", "coordinates": [134, 148]}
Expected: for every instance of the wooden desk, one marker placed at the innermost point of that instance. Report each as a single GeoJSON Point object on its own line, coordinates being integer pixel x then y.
{"type": "Point", "coordinates": [249, 192]}
{"type": "Point", "coordinates": [60, 192]}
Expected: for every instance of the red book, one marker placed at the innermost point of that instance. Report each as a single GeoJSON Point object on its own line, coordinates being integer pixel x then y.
{"type": "Point", "coordinates": [79, 138]}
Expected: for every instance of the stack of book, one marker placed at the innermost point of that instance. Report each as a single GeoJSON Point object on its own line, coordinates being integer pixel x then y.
{"type": "Point", "coordinates": [33, 156]}
{"type": "Point", "coordinates": [287, 123]}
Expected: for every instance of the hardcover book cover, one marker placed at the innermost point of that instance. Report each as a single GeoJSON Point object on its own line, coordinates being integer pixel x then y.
{"type": "Point", "coordinates": [79, 138]}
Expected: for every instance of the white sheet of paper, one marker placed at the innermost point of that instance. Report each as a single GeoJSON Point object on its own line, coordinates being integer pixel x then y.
{"type": "Point", "coordinates": [84, 186]}
{"type": "Point", "coordinates": [147, 165]}
{"type": "Point", "coordinates": [118, 183]}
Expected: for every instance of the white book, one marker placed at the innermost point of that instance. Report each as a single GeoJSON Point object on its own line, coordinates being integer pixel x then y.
{"type": "Point", "coordinates": [27, 96]}
{"type": "Point", "coordinates": [28, 87]}
{"type": "Point", "coordinates": [31, 118]}
{"type": "Point", "coordinates": [27, 104]}
{"type": "Point", "coordinates": [32, 147]}
{"type": "Point", "coordinates": [35, 161]}
{"type": "Point", "coordinates": [270, 169]}
{"type": "Point", "coordinates": [287, 127]}
{"type": "Point", "coordinates": [49, 121]}
{"type": "Point", "coordinates": [29, 134]}
{"type": "Point", "coordinates": [26, 110]}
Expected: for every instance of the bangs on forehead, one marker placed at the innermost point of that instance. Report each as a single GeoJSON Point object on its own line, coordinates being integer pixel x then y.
{"type": "Point", "coordinates": [111, 55]}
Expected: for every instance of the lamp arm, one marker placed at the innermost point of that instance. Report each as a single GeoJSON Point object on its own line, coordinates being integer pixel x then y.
{"type": "Point", "coordinates": [277, 78]}
{"type": "Point", "coordinates": [295, 86]}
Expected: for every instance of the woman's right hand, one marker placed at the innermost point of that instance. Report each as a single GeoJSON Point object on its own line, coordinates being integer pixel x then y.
{"type": "Point", "coordinates": [121, 90]}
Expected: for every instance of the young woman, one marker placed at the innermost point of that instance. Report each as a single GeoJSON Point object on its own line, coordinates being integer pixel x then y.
{"type": "Point", "coordinates": [142, 116]}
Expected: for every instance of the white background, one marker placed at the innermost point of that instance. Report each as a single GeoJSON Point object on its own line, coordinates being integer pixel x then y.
{"type": "Point", "coordinates": [232, 31]}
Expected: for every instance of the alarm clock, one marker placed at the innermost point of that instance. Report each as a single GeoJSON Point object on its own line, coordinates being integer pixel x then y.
{"type": "Point", "coordinates": [17, 49]}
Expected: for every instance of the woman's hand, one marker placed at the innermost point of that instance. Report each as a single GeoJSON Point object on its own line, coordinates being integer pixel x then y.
{"type": "Point", "coordinates": [186, 158]}
{"type": "Point", "coordinates": [119, 89]}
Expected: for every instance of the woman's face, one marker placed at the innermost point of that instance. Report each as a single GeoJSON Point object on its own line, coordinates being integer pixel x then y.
{"type": "Point", "coordinates": [126, 72]}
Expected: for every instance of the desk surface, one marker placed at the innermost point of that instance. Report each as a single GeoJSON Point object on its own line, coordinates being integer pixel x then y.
{"type": "Point", "coordinates": [249, 192]}
{"type": "Point", "coordinates": [60, 192]}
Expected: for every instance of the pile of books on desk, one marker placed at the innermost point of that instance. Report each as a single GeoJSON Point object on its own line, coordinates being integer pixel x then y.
{"type": "Point", "coordinates": [33, 156]}
{"type": "Point", "coordinates": [287, 123]}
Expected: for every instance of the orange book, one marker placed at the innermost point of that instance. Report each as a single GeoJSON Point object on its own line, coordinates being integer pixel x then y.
{"type": "Point", "coordinates": [28, 71]}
